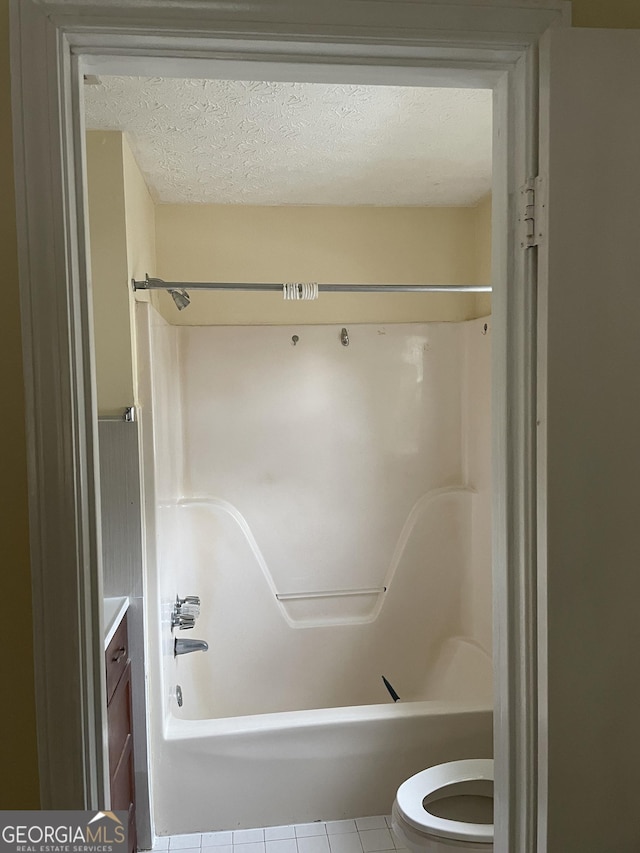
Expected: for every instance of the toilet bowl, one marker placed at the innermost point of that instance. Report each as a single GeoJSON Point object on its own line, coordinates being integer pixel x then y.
{"type": "Point", "coordinates": [447, 808]}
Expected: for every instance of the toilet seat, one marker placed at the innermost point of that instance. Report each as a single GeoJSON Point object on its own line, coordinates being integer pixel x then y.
{"type": "Point", "coordinates": [411, 795]}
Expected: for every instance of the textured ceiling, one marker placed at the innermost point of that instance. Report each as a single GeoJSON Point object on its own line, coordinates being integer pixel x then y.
{"type": "Point", "coordinates": [235, 142]}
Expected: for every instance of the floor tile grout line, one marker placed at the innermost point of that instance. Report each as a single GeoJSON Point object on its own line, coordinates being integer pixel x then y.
{"type": "Point", "coordinates": [224, 839]}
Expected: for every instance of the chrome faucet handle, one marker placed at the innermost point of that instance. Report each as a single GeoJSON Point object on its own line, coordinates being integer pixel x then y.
{"type": "Point", "coordinates": [182, 620]}
{"type": "Point", "coordinates": [185, 612]}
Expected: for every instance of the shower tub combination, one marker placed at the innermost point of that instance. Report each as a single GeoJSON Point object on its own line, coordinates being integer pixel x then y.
{"type": "Point", "coordinates": [330, 505]}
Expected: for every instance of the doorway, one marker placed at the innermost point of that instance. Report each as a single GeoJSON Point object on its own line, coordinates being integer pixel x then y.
{"type": "Point", "coordinates": [369, 526]}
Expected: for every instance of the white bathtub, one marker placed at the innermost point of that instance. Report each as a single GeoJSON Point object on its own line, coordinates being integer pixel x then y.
{"type": "Point", "coordinates": [302, 766]}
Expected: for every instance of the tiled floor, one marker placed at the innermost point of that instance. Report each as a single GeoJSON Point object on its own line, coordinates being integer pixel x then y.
{"type": "Point", "coordinates": [362, 835]}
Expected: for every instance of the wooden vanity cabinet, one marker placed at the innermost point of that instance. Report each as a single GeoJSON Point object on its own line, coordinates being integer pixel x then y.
{"type": "Point", "coordinates": [119, 715]}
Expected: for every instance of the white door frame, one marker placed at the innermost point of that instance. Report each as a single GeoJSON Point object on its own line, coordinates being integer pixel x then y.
{"type": "Point", "coordinates": [465, 42]}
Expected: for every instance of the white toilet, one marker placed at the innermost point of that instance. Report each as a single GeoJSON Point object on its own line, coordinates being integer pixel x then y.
{"type": "Point", "coordinates": [447, 808]}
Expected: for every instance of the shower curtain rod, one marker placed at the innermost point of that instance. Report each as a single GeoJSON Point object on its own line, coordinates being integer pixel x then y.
{"type": "Point", "coordinates": [160, 284]}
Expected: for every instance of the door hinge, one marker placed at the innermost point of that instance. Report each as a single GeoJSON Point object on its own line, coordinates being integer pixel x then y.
{"type": "Point", "coordinates": [532, 212]}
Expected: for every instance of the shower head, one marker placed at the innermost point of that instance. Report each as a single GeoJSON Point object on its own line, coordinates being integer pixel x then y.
{"type": "Point", "coordinates": [181, 298]}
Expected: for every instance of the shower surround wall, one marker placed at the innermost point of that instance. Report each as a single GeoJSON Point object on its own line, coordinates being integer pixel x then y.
{"type": "Point", "coordinates": [320, 499]}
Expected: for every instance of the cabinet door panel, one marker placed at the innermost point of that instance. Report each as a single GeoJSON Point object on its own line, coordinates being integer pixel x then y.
{"type": "Point", "coordinates": [122, 781]}
{"type": "Point", "coordinates": [119, 720]}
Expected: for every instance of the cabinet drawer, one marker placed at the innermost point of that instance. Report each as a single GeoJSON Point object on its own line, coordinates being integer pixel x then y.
{"type": "Point", "coordinates": [116, 658]}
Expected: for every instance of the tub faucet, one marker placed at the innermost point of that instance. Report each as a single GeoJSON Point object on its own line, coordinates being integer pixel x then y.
{"type": "Point", "coordinates": [183, 647]}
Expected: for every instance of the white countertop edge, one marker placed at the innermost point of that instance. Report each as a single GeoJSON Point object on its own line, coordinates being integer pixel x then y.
{"type": "Point", "coordinates": [114, 610]}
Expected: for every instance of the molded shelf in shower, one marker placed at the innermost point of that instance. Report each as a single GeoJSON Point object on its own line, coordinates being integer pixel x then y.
{"type": "Point", "coordinates": [437, 519]}
{"type": "Point", "coordinates": [331, 606]}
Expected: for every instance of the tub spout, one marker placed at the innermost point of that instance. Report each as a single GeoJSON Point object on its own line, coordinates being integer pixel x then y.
{"type": "Point", "coordinates": [183, 647]}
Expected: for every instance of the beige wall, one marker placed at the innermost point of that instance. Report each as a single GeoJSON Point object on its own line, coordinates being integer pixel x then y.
{"type": "Point", "coordinates": [140, 219]}
{"type": "Point", "coordinates": [122, 234]}
{"type": "Point", "coordinates": [107, 233]}
{"type": "Point", "coordinates": [483, 255]}
{"type": "Point", "coordinates": [140, 227]}
{"type": "Point", "coordinates": [20, 788]}
{"type": "Point", "coordinates": [339, 245]}
{"type": "Point", "coordinates": [606, 13]}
